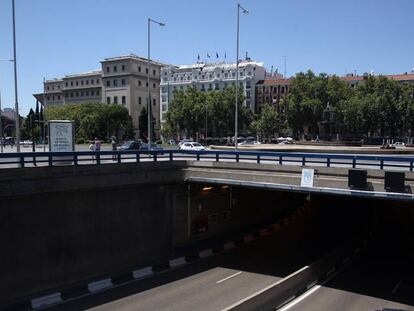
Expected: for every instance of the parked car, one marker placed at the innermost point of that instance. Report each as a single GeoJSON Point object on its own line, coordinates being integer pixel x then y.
{"type": "Point", "coordinates": [130, 145]}
{"type": "Point", "coordinates": [26, 143]}
{"type": "Point", "coordinates": [191, 146]}
{"type": "Point", "coordinates": [249, 142]}
{"type": "Point", "coordinates": [399, 144]}
{"type": "Point", "coordinates": [183, 141]}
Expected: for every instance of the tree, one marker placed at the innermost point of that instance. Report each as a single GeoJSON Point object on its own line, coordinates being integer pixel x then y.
{"type": "Point", "coordinates": [268, 123]}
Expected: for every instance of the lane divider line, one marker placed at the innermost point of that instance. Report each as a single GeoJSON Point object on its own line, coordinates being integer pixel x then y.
{"type": "Point", "coordinates": [99, 285]}
{"type": "Point", "coordinates": [177, 262]}
{"type": "Point", "coordinates": [45, 301]}
{"type": "Point", "coordinates": [229, 277]}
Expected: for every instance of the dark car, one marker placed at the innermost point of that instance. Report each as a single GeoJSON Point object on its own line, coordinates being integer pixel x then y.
{"type": "Point", "coordinates": [130, 145]}
{"type": "Point", "coordinates": [154, 147]}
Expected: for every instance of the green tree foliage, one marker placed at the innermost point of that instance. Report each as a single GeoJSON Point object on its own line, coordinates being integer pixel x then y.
{"type": "Point", "coordinates": [268, 122]}
{"type": "Point", "coordinates": [190, 109]}
{"type": "Point", "coordinates": [94, 120]}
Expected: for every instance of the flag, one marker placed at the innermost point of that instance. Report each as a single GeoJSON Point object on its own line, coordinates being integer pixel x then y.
{"type": "Point", "coordinates": [216, 54]}
{"type": "Point", "coordinates": [224, 55]}
{"type": "Point", "coordinates": [198, 58]}
{"type": "Point", "coordinates": [208, 55]}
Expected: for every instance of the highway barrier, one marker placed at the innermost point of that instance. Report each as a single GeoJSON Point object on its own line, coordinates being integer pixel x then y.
{"type": "Point", "coordinates": [8, 160]}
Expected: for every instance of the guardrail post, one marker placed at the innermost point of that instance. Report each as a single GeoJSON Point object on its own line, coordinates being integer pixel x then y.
{"type": "Point", "coordinates": [411, 166]}
{"type": "Point", "coordinates": [280, 160]}
{"type": "Point", "coordinates": [21, 161]}
{"type": "Point", "coordinates": [198, 157]}
{"type": "Point", "coordinates": [303, 161]}
{"type": "Point", "coordinates": [155, 157]}
{"type": "Point", "coordinates": [138, 157]}
{"type": "Point", "coordinates": [50, 160]}
{"type": "Point", "coordinates": [98, 158]}
{"type": "Point", "coordinates": [353, 163]}
{"type": "Point", "coordinates": [119, 157]}
{"type": "Point", "coordinates": [258, 158]}
{"type": "Point", "coordinates": [237, 158]}
{"type": "Point", "coordinates": [328, 162]}
{"type": "Point", "coordinates": [382, 164]}
{"type": "Point", "coordinates": [217, 157]}
{"type": "Point", "coordinates": [75, 159]}
{"type": "Point", "coordinates": [171, 156]}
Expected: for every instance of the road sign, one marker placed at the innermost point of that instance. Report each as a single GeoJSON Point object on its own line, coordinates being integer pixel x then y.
{"type": "Point", "coordinates": [307, 177]}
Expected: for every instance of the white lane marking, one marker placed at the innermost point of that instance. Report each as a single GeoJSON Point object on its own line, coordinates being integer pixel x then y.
{"type": "Point", "coordinates": [394, 290]}
{"type": "Point", "coordinates": [264, 289]}
{"type": "Point", "coordinates": [292, 303]}
{"type": "Point", "coordinates": [229, 277]}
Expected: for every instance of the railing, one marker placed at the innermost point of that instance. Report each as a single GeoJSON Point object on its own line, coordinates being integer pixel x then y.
{"type": "Point", "coordinates": [24, 159]}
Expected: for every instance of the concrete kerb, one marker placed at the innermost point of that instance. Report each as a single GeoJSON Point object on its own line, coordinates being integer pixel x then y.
{"type": "Point", "coordinates": [141, 273]}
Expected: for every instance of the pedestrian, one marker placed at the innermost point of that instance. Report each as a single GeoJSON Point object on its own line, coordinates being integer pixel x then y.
{"type": "Point", "coordinates": [113, 144]}
{"type": "Point", "coordinates": [97, 144]}
{"type": "Point", "coordinates": [92, 148]}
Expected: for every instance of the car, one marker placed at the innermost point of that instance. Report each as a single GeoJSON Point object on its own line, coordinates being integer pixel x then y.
{"type": "Point", "coordinates": [183, 141]}
{"type": "Point", "coordinates": [192, 145]}
{"type": "Point", "coordinates": [26, 143]}
{"type": "Point", "coordinates": [249, 142]}
{"type": "Point", "coordinates": [153, 147]}
{"type": "Point", "coordinates": [171, 142]}
{"type": "Point", "coordinates": [399, 144]}
{"type": "Point", "coordinates": [130, 145]}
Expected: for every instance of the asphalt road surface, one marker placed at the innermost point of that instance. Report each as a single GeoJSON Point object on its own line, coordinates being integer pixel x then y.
{"type": "Point", "coordinates": [223, 280]}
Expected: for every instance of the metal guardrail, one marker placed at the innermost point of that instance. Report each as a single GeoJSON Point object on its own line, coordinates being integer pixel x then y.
{"type": "Point", "coordinates": [8, 160]}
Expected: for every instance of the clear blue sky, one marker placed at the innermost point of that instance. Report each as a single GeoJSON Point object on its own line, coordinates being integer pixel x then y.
{"type": "Point", "coordinates": [57, 37]}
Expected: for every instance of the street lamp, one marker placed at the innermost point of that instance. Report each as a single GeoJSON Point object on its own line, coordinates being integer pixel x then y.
{"type": "Point", "coordinates": [16, 105]}
{"type": "Point", "coordinates": [1, 125]}
{"type": "Point", "coordinates": [148, 77]}
{"type": "Point", "coordinates": [243, 10]}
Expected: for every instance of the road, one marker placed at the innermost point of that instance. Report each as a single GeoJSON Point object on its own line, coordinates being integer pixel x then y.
{"type": "Point", "coordinates": [381, 279]}
{"type": "Point", "coordinates": [224, 279]}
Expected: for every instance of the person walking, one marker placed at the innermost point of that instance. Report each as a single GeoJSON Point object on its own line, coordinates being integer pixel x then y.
{"type": "Point", "coordinates": [113, 144]}
{"type": "Point", "coordinates": [97, 144]}
{"type": "Point", "coordinates": [92, 148]}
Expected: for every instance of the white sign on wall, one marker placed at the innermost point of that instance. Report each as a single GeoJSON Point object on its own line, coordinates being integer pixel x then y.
{"type": "Point", "coordinates": [61, 136]}
{"type": "Point", "coordinates": [307, 177]}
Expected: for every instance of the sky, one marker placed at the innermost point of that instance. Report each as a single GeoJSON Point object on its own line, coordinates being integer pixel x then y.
{"type": "Point", "coordinates": [60, 37]}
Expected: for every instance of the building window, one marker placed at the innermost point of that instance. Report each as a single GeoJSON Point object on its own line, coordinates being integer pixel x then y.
{"type": "Point", "coordinates": [115, 82]}
{"type": "Point", "coordinates": [123, 81]}
{"type": "Point", "coordinates": [71, 83]}
{"type": "Point", "coordinates": [107, 69]}
{"type": "Point", "coordinates": [108, 100]}
{"type": "Point", "coordinates": [108, 83]}
{"type": "Point", "coordinates": [248, 84]}
{"type": "Point", "coordinates": [139, 68]}
{"type": "Point", "coordinates": [146, 84]}
{"type": "Point", "coordinates": [139, 82]}
{"type": "Point", "coordinates": [53, 97]}
{"type": "Point", "coordinates": [66, 95]}
{"type": "Point", "coordinates": [217, 86]}
{"type": "Point", "coordinates": [82, 82]}
{"type": "Point", "coordinates": [164, 89]}
{"type": "Point", "coordinates": [115, 99]}
{"type": "Point", "coordinates": [92, 93]}
{"type": "Point", "coordinates": [154, 102]}
{"type": "Point", "coordinates": [92, 80]}
{"type": "Point", "coordinates": [71, 94]}
{"type": "Point", "coordinates": [154, 72]}
{"type": "Point", "coordinates": [164, 98]}
{"type": "Point", "coordinates": [48, 97]}
{"type": "Point", "coordinates": [115, 69]}
{"type": "Point", "coordinates": [87, 82]}
{"type": "Point", "coordinates": [123, 67]}
{"type": "Point", "coordinates": [97, 81]}
{"type": "Point", "coordinates": [154, 86]}
{"type": "Point", "coordinates": [81, 94]}
{"type": "Point", "coordinates": [58, 97]}
{"type": "Point", "coordinates": [77, 94]}
{"type": "Point", "coordinates": [47, 87]}
{"type": "Point", "coordinates": [97, 93]}
{"type": "Point", "coordinates": [87, 93]}
{"type": "Point", "coordinates": [146, 70]}
{"type": "Point", "coordinates": [248, 94]}
{"type": "Point", "coordinates": [77, 83]}
{"type": "Point", "coordinates": [66, 84]}
{"type": "Point", "coordinates": [139, 100]}
{"type": "Point", "coordinates": [123, 100]}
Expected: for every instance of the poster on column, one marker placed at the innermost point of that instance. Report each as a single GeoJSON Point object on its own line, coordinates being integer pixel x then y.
{"type": "Point", "coordinates": [61, 139]}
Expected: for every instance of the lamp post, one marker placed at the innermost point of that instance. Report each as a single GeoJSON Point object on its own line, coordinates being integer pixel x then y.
{"type": "Point", "coordinates": [148, 77]}
{"type": "Point", "coordinates": [1, 124]}
{"type": "Point", "coordinates": [16, 105]}
{"type": "Point", "coordinates": [239, 7]}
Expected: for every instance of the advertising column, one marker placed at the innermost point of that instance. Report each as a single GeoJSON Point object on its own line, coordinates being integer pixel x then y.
{"type": "Point", "coordinates": [61, 139]}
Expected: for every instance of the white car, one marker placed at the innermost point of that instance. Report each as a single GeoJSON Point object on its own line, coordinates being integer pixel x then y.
{"type": "Point", "coordinates": [399, 144]}
{"type": "Point", "coordinates": [191, 146]}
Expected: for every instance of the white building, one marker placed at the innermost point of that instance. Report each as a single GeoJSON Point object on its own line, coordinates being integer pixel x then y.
{"type": "Point", "coordinates": [209, 77]}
